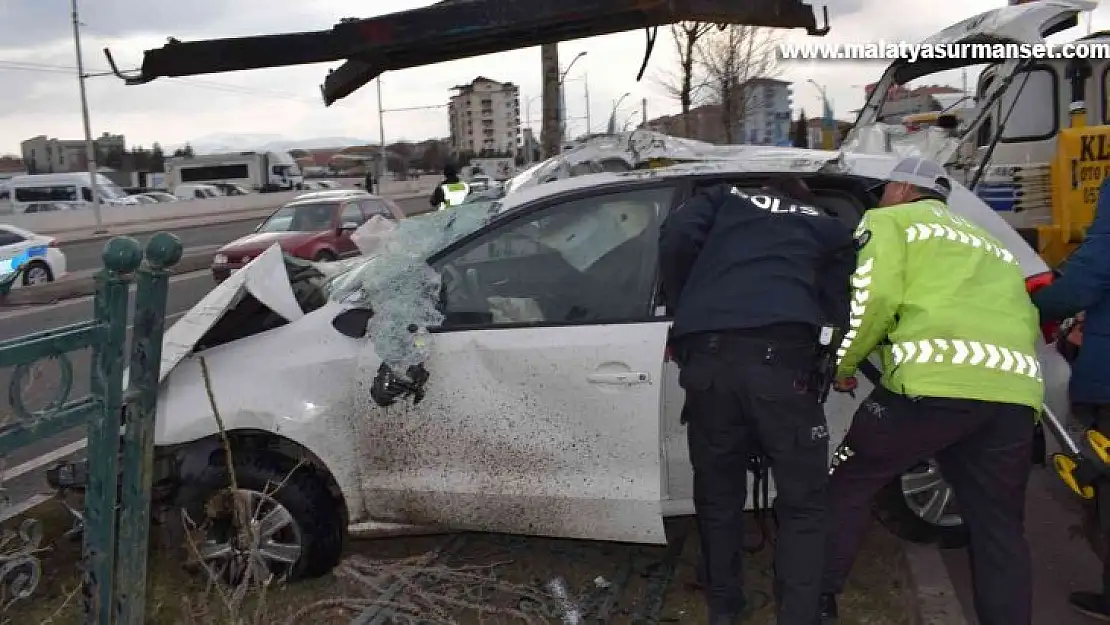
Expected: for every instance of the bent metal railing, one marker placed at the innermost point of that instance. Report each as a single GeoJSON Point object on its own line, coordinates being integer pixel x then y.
{"type": "Point", "coordinates": [111, 595]}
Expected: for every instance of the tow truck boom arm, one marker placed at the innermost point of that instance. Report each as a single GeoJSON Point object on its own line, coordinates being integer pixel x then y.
{"type": "Point", "coordinates": [449, 30]}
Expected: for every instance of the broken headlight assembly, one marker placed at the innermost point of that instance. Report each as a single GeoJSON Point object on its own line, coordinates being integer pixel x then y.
{"type": "Point", "coordinates": [388, 387]}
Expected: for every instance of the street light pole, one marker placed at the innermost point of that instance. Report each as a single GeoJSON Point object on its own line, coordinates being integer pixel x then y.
{"type": "Point", "coordinates": [589, 126]}
{"type": "Point", "coordinates": [381, 137]}
{"type": "Point", "coordinates": [826, 133]}
{"type": "Point", "coordinates": [90, 145]}
{"type": "Point", "coordinates": [613, 112]}
{"type": "Point", "coordinates": [562, 101]}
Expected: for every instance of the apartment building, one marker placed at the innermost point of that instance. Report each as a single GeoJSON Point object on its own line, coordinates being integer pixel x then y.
{"type": "Point", "coordinates": [767, 113]}
{"type": "Point", "coordinates": [485, 116]}
{"type": "Point", "coordinates": [46, 155]}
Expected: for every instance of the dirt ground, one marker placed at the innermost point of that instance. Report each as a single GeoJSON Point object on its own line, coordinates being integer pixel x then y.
{"type": "Point", "coordinates": [468, 579]}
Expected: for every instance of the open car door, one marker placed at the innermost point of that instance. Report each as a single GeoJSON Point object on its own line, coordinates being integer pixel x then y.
{"type": "Point", "coordinates": [1026, 23]}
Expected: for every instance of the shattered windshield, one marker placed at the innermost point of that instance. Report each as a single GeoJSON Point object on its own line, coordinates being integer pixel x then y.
{"type": "Point", "coordinates": [300, 218]}
{"type": "Point", "coordinates": [395, 281]}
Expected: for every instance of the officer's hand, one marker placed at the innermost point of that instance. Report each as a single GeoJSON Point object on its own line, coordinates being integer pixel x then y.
{"type": "Point", "coordinates": [846, 384]}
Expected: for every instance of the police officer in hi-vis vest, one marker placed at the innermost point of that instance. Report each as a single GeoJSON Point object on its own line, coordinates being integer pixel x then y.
{"type": "Point", "coordinates": [945, 306]}
{"type": "Point", "coordinates": [450, 192]}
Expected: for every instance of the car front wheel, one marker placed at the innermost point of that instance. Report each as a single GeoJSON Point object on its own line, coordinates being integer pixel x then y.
{"type": "Point", "coordinates": [37, 272]}
{"type": "Point", "coordinates": [282, 519]}
{"type": "Point", "coordinates": [919, 506]}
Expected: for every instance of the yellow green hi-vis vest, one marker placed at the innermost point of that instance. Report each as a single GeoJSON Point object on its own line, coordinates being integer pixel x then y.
{"type": "Point", "coordinates": [946, 306]}
{"type": "Point", "coordinates": [453, 194]}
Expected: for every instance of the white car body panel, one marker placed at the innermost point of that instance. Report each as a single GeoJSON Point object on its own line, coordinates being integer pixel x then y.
{"type": "Point", "coordinates": [532, 431]}
{"type": "Point", "coordinates": [512, 436]}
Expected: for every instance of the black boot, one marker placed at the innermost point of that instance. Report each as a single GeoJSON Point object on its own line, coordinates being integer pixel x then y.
{"type": "Point", "coordinates": [1091, 604]}
{"type": "Point", "coordinates": [830, 615]}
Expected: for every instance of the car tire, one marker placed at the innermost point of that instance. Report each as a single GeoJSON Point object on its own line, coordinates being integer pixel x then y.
{"type": "Point", "coordinates": [317, 515]}
{"type": "Point", "coordinates": [897, 511]}
{"type": "Point", "coordinates": [37, 268]}
{"type": "Point", "coordinates": [324, 257]}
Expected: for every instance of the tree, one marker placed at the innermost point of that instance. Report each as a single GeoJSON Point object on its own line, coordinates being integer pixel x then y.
{"type": "Point", "coordinates": [730, 60]}
{"type": "Point", "coordinates": [157, 158]}
{"type": "Point", "coordinates": [801, 132]}
{"type": "Point", "coordinates": [686, 86]}
{"type": "Point", "coordinates": [186, 151]}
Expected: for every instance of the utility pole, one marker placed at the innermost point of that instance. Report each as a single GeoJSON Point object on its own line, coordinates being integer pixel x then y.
{"type": "Point", "coordinates": [381, 137]}
{"type": "Point", "coordinates": [589, 127]}
{"type": "Point", "coordinates": [549, 64]}
{"type": "Point", "coordinates": [90, 145]}
{"type": "Point", "coordinates": [643, 109]}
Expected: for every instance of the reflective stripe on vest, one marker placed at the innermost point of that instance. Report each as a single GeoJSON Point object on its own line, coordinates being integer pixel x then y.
{"type": "Point", "coordinates": [924, 232]}
{"type": "Point", "coordinates": [969, 353]}
{"type": "Point", "coordinates": [453, 194]}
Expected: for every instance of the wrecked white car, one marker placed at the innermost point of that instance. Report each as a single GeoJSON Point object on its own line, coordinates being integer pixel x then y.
{"type": "Point", "coordinates": [496, 367]}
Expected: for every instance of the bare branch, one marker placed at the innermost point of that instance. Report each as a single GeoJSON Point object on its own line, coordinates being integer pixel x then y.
{"type": "Point", "coordinates": [686, 84]}
{"type": "Point", "coordinates": [730, 60]}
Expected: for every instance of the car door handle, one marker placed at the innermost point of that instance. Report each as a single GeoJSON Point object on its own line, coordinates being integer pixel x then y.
{"type": "Point", "coordinates": [628, 378]}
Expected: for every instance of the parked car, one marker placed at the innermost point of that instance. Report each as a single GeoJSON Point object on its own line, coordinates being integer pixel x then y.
{"type": "Point", "coordinates": [309, 227]}
{"type": "Point", "coordinates": [160, 196]}
{"type": "Point", "coordinates": [143, 198]}
{"type": "Point", "coordinates": [37, 255]}
{"type": "Point", "coordinates": [480, 182]}
{"type": "Point", "coordinates": [193, 191]}
{"type": "Point", "coordinates": [550, 406]}
{"type": "Point", "coordinates": [227, 188]}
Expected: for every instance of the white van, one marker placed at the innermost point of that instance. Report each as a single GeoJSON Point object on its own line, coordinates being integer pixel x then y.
{"type": "Point", "coordinates": [71, 189]}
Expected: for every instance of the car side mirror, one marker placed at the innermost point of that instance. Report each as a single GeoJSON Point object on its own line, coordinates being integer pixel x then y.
{"type": "Point", "coordinates": [352, 322]}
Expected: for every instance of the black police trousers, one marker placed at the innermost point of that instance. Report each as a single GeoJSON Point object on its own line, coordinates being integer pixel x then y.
{"type": "Point", "coordinates": [984, 451]}
{"type": "Point", "coordinates": [747, 393]}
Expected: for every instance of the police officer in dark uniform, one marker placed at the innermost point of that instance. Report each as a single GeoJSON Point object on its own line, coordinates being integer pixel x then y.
{"type": "Point", "coordinates": [751, 278]}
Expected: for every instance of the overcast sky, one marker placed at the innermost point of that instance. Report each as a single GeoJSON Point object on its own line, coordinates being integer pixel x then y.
{"type": "Point", "coordinates": [40, 93]}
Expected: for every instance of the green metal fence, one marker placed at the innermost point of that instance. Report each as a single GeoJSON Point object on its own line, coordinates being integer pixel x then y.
{"type": "Point", "coordinates": [113, 589]}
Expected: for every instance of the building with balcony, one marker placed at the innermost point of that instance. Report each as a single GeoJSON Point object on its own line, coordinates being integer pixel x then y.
{"type": "Point", "coordinates": [484, 117]}
{"type": "Point", "coordinates": [767, 112]}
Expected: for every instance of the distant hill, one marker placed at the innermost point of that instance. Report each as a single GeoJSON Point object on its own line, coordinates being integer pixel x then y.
{"type": "Point", "coordinates": [227, 142]}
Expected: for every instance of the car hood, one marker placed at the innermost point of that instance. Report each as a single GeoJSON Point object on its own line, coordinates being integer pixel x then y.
{"type": "Point", "coordinates": [265, 278]}
{"type": "Point", "coordinates": [263, 240]}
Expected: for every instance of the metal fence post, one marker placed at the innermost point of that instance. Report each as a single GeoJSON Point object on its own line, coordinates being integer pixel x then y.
{"type": "Point", "coordinates": [162, 252]}
{"type": "Point", "coordinates": [121, 256]}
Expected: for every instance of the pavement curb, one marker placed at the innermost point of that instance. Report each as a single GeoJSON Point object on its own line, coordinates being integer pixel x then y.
{"type": "Point", "coordinates": [931, 594]}
{"type": "Point", "coordinates": [80, 287]}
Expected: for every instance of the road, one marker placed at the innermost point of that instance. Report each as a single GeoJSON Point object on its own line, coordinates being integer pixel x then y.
{"type": "Point", "coordinates": [85, 255]}
{"type": "Point", "coordinates": [1062, 563]}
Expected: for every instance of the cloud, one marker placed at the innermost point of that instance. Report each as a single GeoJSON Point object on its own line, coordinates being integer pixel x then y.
{"type": "Point", "coordinates": [40, 87]}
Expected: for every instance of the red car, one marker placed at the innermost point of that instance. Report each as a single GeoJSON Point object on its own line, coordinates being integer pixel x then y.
{"type": "Point", "coordinates": [316, 226]}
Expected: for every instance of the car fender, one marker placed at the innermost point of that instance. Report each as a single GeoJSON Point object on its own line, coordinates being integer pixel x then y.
{"type": "Point", "coordinates": [282, 382]}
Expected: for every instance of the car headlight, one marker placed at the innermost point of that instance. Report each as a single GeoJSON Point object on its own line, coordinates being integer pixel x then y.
{"type": "Point", "coordinates": [219, 259]}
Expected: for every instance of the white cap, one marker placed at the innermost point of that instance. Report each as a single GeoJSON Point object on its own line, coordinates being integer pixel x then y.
{"type": "Point", "coordinates": [922, 173]}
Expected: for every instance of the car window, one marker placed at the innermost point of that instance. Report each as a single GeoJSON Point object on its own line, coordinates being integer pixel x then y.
{"type": "Point", "coordinates": [55, 193]}
{"type": "Point", "coordinates": [375, 207]}
{"type": "Point", "coordinates": [8, 237]}
{"type": "Point", "coordinates": [585, 261]}
{"type": "Point", "coordinates": [351, 214]}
